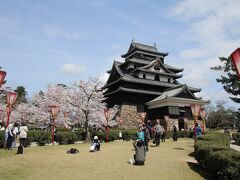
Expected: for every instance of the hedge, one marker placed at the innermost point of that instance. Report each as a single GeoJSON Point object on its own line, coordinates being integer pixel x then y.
{"type": "Point", "coordinates": [66, 137]}
{"type": "Point", "coordinates": [216, 137]}
{"type": "Point", "coordinates": [213, 153]}
{"type": "Point", "coordinates": [180, 134]}
{"type": "Point", "coordinates": [236, 138]}
{"type": "Point", "coordinates": [113, 134]}
{"type": "Point", "coordinates": [2, 139]}
{"type": "Point", "coordinates": [39, 136]}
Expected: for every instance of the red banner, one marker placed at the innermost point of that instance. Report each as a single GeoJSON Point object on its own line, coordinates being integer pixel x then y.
{"type": "Point", "coordinates": [235, 57]}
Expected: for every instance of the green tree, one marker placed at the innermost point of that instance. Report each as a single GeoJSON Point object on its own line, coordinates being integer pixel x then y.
{"type": "Point", "coordinates": [22, 93]}
{"type": "Point", "coordinates": [229, 79]}
{"type": "Point", "coordinates": [220, 116]}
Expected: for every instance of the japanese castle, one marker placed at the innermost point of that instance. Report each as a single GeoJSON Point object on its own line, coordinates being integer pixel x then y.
{"type": "Point", "coordinates": [145, 83]}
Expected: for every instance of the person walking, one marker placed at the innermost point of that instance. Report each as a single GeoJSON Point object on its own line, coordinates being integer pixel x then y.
{"type": "Point", "coordinates": [158, 132]}
{"type": "Point", "coordinates": [23, 134]}
{"type": "Point", "coordinates": [10, 132]}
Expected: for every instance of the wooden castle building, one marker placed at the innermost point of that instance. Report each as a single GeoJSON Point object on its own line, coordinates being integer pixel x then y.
{"type": "Point", "coordinates": [145, 83]}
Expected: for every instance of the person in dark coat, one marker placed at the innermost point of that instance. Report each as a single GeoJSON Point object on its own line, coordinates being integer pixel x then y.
{"type": "Point", "coordinates": [139, 156]}
{"type": "Point", "coordinates": [146, 136]}
{"type": "Point", "coordinates": [157, 133]}
{"type": "Point", "coordinates": [174, 133]}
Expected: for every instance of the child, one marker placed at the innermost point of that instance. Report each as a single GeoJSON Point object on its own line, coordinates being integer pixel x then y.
{"type": "Point", "coordinates": [139, 156]}
{"type": "Point", "coordinates": [95, 144]}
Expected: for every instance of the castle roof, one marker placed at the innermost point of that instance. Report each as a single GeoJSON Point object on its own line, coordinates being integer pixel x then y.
{"type": "Point", "coordinates": [177, 96]}
{"type": "Point", "coordinates": [144, 48]}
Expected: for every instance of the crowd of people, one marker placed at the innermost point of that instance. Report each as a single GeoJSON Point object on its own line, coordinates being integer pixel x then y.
{"type": "Point", "coordinates": [146, 132]}
{"type": "Point", "coordinates": [13, 132]}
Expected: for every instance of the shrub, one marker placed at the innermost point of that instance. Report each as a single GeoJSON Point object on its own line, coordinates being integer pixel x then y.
{"type": "Point", "coordinates": [66, 137]}
{"type": "Point", "coordinates": [39, 136]}
{"type": "Point", "coordinates": [216, 137]}
{"type": "Point", "coordinates": [224, 164]}
{"type": "Point", "coordinates": [113, 134]}
{"type": "Point", "coordinates": [191, 134]}
{"type": "Point", "coordinates": [128, 134]}
{"type": "Point", "coordinates": [81, 135]}
{"type": "Point", "coordinates": [2, 139]}
{"type": "Point", "coordinates": [212, 151]}
{"type": "Point", "coordinates": [236, 138]}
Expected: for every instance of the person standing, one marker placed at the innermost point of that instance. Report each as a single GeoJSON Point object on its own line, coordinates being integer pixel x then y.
{"type": "Point", "coordinates": [146, 136]}
{"type": "Point", "coordinates": [23, 134]}
{"type": "Point", "coordinates": [198, 130]}
{"type": "Point", "coordinates": [158, 132]}
{"type": "Point", "coordinates": [10, 131]}
{"type": "Point", "coordinates": [162, 134]}
{"type": "Point", "coordinates": [174, 133]}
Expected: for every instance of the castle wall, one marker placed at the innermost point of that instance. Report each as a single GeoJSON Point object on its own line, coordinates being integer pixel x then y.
{"type": "Point", "coordinates": [129, 116]}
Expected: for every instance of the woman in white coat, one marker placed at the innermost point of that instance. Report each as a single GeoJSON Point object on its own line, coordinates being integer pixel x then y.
{"type": "Point", "coordinates": [23, 134]}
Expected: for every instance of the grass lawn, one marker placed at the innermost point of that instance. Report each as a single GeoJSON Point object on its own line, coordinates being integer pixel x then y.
{"type": "Point", "coordinates": [172, 160]}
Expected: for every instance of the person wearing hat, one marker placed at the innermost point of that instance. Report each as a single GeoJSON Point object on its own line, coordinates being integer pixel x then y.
{"type": "Point", "coordinates": [95, 144]}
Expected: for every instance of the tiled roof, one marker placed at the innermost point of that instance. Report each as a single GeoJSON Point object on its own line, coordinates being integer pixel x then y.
{"type": "Point", "coordinates": [134, 91]}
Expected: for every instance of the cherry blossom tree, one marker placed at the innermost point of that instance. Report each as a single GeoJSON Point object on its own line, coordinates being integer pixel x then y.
{"type": "Point", "coordinates": [84, 100]}
{"type": "Point", "coordinates": [88, 99]}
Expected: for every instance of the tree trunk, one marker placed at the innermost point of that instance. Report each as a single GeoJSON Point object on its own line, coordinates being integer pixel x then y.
{"type": "Point", "coordinates": [88, 138]}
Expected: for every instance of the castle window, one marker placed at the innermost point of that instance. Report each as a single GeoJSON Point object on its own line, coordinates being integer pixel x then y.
{"type": "Point", "coordinates": [156, 78]}
{"type": "Point", "coordinates": [169, 80]}
{"type": "Point", "coordinates": [144, 76]}
{"type": "Point", "coordinates": [140, 108]}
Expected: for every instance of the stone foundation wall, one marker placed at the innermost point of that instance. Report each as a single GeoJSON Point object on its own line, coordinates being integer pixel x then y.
{"type": "Point", "coordinates": [129, 116]}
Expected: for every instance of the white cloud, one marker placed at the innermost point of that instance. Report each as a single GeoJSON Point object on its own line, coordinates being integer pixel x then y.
{"type": "Point", "coordinates": [104, 77]}
{"type": "Point", "coordinates": [73, 69]}
{"type": "Point", "coordinates": [212, 26]}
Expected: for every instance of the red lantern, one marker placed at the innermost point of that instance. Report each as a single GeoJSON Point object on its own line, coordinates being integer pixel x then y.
{"type": "Point", "coordinates": [11, 98]}
{"type": "Point", "coordinates": [54, 110]}
{"type": "Point", "coordinates": [2, 77]}
{"type": "Point", "coordinates": [235, 57]}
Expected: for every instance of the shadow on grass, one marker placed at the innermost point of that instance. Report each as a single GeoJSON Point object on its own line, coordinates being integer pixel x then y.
{"type": "Point", "coordinates": [191, 154]}
{"type": "Point", "coordinates": [195, 167]}
{"type": "Point", "coordinates": [179, 148]}
{"type": "Point", "coordinates": [152, 145]}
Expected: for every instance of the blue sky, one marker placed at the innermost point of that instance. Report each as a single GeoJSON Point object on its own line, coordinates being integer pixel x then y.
{"type": "Point", "coordinates": [60, 41]}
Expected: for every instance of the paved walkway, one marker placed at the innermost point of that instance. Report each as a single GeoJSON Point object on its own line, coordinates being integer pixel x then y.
{"type": "Point", "coordinates": [236, 147]}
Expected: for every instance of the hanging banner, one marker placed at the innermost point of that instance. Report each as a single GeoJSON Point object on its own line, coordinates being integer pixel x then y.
{"type": "Point", "coordinates": [195, 110]}
{"type": "Point", "coordinates": [235, 57]}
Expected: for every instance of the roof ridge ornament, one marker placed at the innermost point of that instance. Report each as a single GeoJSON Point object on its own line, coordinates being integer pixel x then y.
{"type": "Point", "coordinates": [155, 45]}
{"type": "Point", "coordinates": [133, 40]}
